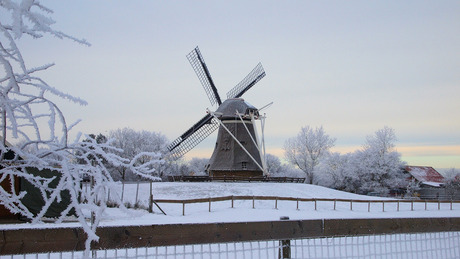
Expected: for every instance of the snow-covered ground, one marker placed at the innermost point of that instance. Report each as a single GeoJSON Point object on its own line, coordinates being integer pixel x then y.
{"type": "Point", "coordinates": [243, 211]}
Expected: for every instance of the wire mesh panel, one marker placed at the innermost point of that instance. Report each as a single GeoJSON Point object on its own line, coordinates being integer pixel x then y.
{"type": "Point", "coordinates": [248, 250]}
{"type": "Point", "coordinates": [418, 245]}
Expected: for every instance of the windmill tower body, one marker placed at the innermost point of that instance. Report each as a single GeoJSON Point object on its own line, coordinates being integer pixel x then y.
{"type": "Point", "coordinates": [236, 152]}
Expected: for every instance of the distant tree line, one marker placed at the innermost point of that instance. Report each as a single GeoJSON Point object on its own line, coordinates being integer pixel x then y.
{"type": "Point", "coordinates": [128, 143]}
{"type": "Point", "coordinates": [376, 167]}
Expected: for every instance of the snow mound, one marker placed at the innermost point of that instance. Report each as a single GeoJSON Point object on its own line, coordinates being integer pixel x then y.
{"type": "Point", "coordinates": [186, 190]}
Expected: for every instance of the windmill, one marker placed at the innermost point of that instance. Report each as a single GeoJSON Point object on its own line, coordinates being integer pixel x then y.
{"type": "Point", "coordinates": [237, 151]}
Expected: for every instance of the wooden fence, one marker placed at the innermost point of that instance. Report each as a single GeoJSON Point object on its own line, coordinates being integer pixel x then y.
{"type": "Point", "coordinates": [25, 241]}
{"type": "Point", "coordinates": [299, 200]}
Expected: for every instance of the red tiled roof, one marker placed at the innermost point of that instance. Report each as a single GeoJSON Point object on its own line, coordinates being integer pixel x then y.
{"type": "Point", "coordinates": [425, 174]}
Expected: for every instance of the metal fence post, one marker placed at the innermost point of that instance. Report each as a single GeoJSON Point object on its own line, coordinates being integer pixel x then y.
{"type": "Point", "coordinates": [285, 246]}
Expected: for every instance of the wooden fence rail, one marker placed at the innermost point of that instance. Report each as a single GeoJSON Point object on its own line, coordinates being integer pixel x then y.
{"type": "Point", "coordinates": [298, 200]}
{"type": "Point", "coordinates": [25, 241]}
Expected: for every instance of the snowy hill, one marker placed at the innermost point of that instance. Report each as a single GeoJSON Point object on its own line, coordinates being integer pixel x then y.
{"type": "Point", "coordinates": [186, 190]}
{"type": "Point", "coordinates": [264, 210]}
{"type": "Point", "coordinates": [243, 210]}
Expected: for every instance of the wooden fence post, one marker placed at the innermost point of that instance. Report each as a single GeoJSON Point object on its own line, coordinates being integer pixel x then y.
{"type": "Point", "coordinates": [137, 194]}
{"type": "Point", "coordinates": [122, 190]}
{"type": "Point", "coordinates": [253, 205]}
{"type": "Point", "coordinates": [335, 201]}
{"type": "Point", "coordinates": [108, 194]}
{"type": "Point", "coordinates": [151, 199]}
{"type": "Point", "coordinates": [285, 246]}
{"type": "Point", "coordinates": [183, 208]}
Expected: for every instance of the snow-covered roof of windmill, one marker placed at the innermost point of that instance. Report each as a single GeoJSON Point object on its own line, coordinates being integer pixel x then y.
{"type": "Point", "coordinates": [230, 106]}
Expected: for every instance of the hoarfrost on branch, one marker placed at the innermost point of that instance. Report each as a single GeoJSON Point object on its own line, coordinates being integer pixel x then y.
{"type": "Point", "coordinates": [43, 136]}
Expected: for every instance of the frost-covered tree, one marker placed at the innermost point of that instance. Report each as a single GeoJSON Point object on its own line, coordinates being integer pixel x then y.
{"type": "Point", "coordinates": [273, 164]}
{"type": "Point", "coordinates": [276, 168]}
{"type": "Point", "coordinates": [337, 171]}
{"type": "Point", "coordinates": [197, 166]}
{"type": "Point", "coordinates": [307, 149]}
{"type": "Point", "coordinates": [131, 143]}
{"type": "Point", "coordinates": [413, 186]}
{"type": "Point", "coordinates": [380, 167]}
{"type": "Point", "coordinates": [29, 116]}
{"type": "Point", "coordinates": [452, 182]}
{"type": "Point", "coordinates": [377, 167]}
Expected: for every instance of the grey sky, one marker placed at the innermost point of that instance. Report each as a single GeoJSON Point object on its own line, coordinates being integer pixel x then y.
{"type": "Point", "coordinates": [351, 66]}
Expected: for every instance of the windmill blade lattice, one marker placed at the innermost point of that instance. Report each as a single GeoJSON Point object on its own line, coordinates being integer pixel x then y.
{"type": "Point", "coordinates": [250, 80]}
{"type": "Point", "coordinates": [201, 70]}
{"type": "Point", "coordinates": [193, 136]}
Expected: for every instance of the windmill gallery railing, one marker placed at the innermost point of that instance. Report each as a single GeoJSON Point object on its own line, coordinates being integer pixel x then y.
{"type": "Point", "coordinates": [205, 178]}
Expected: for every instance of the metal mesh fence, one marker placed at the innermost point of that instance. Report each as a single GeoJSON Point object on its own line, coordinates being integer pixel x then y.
{"type": "Point", "coordinates": [416, 245]}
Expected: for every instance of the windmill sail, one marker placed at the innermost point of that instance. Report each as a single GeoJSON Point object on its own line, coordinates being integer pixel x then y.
{"type": "Point", "coordinates": [201, 70]}
{"type": "Point", "coordinates": [208, 124]}
{"type": "Point", "coordinates": [250, 80]}
{"type": "Point", "coordinates": [193, 136]}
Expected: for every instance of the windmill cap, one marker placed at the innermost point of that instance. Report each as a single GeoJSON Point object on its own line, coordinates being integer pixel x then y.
{"type": "Point", "coordinates": [231, 106]}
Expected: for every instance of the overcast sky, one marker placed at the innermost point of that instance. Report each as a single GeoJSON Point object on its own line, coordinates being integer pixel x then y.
{"type": "Point", "coordinates": [351, 66]}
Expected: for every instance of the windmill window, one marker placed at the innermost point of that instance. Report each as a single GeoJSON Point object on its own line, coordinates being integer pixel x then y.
{"type": "Point", "coordinates": [244, 165]}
